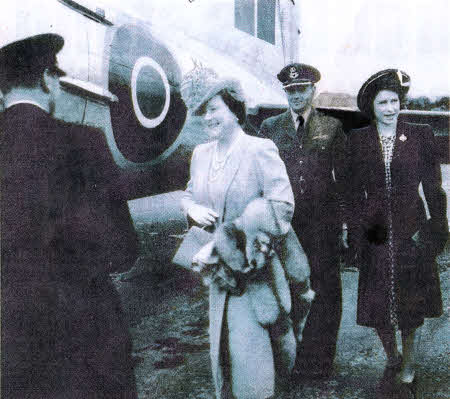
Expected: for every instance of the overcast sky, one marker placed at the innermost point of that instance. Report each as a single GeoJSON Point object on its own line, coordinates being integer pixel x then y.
{"type": "Point", "coordinates": [350, 39]}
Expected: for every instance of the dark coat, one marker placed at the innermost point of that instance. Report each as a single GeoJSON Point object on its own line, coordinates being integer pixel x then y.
{"type": "Point", "coordinates": [63, 231]}
{"type": "Point", "coordinates": [416, 276]}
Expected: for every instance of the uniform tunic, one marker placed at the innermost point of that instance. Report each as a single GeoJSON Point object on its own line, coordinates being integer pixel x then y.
{"type": "Point", "coordinates": [314, 159]}
{"type": "Point", "coordinates": [63, 331]}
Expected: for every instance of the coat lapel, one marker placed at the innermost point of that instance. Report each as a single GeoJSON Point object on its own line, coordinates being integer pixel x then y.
{"type": "Point", "coordinates": [289, 125]}
{"type": "Point", "coordinates": [202, 177]}
{"type": "Point", "coordinates": [375, 147]}
{"type": "Point", "coordinates": [231, 169]}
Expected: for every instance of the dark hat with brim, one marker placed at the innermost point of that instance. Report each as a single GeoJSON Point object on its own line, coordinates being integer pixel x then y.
{"type": "Point", "coordinates": [202, 84]}
{"type": "Point", "coordinates": [33, 52]}
{"type": "Point", "coordinates": [297, 74]}
{"type": "Point", "coordinates": [387, 79]}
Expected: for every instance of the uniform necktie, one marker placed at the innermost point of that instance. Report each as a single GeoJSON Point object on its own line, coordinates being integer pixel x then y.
{"type": "Point", "coordinates": [301, 122]}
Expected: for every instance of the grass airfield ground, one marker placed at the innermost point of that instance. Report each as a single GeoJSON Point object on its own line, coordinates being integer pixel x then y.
{"type": "Point", "coordinates": [169, 325]}
{"type": "Point", "coordinates": [168, 312]}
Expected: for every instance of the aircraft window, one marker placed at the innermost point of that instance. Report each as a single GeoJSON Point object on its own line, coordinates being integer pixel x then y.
{"type": "Point", "coordinates": [244, 16]}
{"type": "Point", "coordinates": [263, 26]}
{"type": "Point", "coordinates": [266, 20]}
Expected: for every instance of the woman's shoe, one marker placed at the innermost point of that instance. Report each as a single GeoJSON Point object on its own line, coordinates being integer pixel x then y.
{"type": "Point", "coordinates": [391, 370]}
{"type": "Point", "coordinates": [407, 390]}
{"type": "Point", "coordinates": [387, 383]}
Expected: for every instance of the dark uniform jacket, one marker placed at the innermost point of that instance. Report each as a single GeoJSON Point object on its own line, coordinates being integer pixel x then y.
{"type": "Point", "coordinates": [64, 229]}
{"type": "Point", "coordinates": [58, 199]}
{"type": "Point", "coordinates": [313, 162]}
{"type": "Point", "coordinates": [417, 282]}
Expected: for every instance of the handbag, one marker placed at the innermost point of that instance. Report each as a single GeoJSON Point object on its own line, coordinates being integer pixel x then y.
{"type": "Point", "coordinates": [193, 241]}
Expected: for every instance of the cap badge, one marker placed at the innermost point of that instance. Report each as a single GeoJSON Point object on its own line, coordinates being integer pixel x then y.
{"type": "Point", "coordinates": [402, 138]}
{"type": "Point", "coordinates": [293, 74]}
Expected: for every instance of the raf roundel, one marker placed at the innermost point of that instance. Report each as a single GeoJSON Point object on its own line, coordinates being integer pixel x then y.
{"type": "Point", "coordinates": [145, 77]}
{"type": "Point", "coordinates": [150, 109]}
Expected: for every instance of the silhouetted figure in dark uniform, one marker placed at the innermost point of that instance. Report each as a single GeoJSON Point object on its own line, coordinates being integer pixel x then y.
{"type": "Point", "coordinates": [64, 229]}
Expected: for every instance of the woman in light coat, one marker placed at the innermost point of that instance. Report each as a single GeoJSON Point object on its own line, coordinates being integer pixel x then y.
{"type": "Point", "coordinates": [227, 173]}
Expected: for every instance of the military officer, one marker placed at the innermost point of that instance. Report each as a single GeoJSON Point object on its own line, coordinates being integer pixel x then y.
{"type": "Point", "coordinates": [312, 146]}
{"type": "Point", "coordinates": [63, 231]}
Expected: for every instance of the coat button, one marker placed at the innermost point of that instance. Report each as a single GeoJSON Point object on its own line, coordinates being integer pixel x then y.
{"type": "Point", "coordinates": [300, 162]}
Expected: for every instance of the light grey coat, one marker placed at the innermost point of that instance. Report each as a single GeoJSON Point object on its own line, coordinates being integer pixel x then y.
{"type": "Point", "coordinates": [253, 170]}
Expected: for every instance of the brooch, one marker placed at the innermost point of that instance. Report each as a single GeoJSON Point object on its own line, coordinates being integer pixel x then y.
{"type": "Point", "coordinates": [403, 137]}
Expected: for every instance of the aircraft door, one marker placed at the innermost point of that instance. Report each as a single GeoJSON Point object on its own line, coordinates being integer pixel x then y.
{"type": "Point", "coordinates": [145, 77]}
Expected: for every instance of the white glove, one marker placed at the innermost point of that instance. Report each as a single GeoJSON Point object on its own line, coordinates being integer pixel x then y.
{"type": "Point", "coordinates": [202, 215]}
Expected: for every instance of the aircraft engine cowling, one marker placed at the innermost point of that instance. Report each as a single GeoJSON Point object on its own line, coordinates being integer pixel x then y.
{"type": "Point", "coordinates": [145, 77]}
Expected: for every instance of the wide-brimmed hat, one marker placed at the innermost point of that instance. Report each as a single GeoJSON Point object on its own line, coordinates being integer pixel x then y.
{"type": "Point", "coordinates": [387, 79]}
{"type": "Point", "coordinates": [201, 84]}
{"type": "Point", "coordinates": [23, 56]}
{"type": "Point", "coordinates": [297, 74]}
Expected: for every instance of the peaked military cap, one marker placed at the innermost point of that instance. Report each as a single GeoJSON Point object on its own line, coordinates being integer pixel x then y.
{"type": "Point", "coordinates": [387, 79]}
{"type": "Point", "coordinates": [298, 74]}
{"type": "Point", "coordinates": [26, 55]}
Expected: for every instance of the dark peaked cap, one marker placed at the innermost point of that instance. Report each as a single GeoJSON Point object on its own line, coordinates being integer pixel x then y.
{"type": "Point", "coordinates": [23, 56]}
{"type": "Point", "coordinates": [298, 75]}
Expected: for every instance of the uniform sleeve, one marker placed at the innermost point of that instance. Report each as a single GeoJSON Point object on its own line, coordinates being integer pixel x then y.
{"type": "Point", "coordinates": [434, 193]}
{"type": "Point", "coordinates": [123, 184]}
{"type": "Point", "coordinates": [275, 184]}
{"type": "Point", "coordinates": [187, 199]}
{"type": "Point", "coordinates": [354, 199]}
{"type": "Point", "coordinates": [27, 223]}
{"type": "Point", "coordinates": [98, 225]}
{"type": "Point", "coordinates": [341, 165]}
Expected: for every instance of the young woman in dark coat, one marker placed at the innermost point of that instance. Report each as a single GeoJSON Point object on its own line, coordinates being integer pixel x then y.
{"type": "Point", "coordinates": [399, 282]}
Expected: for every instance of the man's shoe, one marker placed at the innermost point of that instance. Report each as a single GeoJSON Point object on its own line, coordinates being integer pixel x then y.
{"type": "Point", "coordinates": [305, 374]}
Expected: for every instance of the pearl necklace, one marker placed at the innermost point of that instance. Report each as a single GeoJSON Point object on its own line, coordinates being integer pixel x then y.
{"type": "Point", "coordinates": [217, 165]}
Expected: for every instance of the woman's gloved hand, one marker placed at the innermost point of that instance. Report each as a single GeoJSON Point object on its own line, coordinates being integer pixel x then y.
{"type": "Point", "coordinates": [202, 215]}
